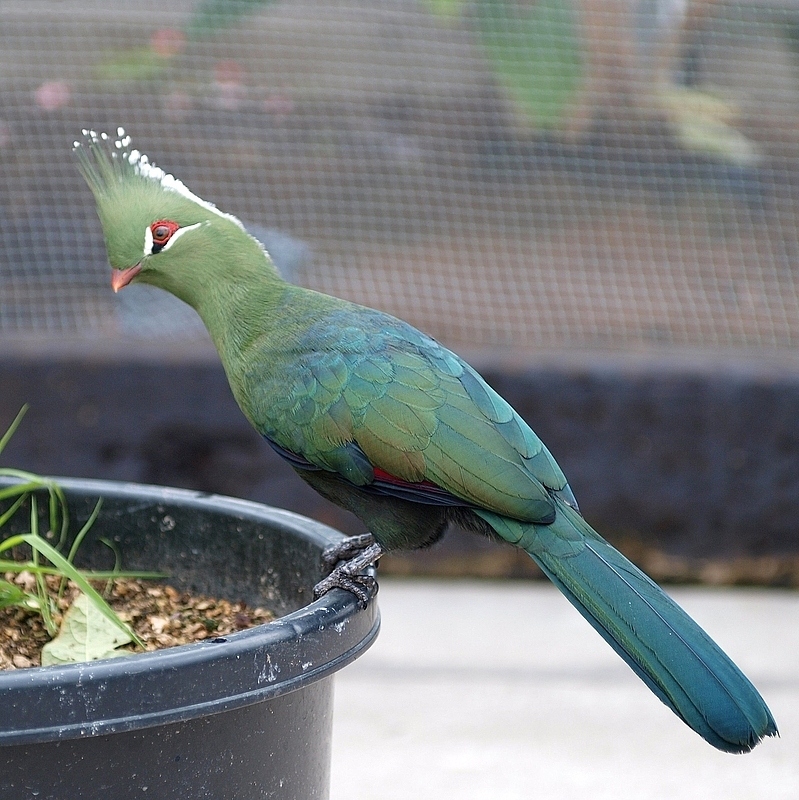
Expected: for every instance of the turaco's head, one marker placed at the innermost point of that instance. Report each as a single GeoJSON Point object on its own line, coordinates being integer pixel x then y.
{"type": "Point", "coordinates": [157, 231]}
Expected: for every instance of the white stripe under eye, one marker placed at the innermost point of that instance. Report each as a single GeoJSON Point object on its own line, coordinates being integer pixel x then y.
{"type": "Point", "coordinates": [178, 233]}
{"type": "Point", "coordinates": [148, 238]}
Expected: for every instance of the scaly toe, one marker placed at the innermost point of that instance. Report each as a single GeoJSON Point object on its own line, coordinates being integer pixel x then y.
{"type": "Point", "coordinates": [364, 587]}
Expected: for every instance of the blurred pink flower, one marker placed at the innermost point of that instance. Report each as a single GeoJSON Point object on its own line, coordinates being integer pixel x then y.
{"type": "Point", "coordinates": [167, 42]}
{"type": "Point", "coordinates": [52, 95]}
{"type": "Point", "coordinates": [229, 84]}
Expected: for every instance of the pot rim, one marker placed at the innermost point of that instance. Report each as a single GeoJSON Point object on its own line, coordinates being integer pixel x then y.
{"type": "Point", "coordinates": [179, 683]}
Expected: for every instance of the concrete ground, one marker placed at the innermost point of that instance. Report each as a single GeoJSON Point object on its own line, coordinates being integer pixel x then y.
{"type": "Point", "coordinates": [500, 691]}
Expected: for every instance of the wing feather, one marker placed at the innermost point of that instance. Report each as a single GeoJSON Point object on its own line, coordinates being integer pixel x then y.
{"type": "Point", "coordinates": [412, 409]}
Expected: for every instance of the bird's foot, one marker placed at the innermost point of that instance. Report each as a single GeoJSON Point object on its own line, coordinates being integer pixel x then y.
{"type": "Point", "coordinates": [351, 557]}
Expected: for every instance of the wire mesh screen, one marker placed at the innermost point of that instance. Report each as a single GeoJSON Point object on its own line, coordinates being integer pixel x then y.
{"type": "Point", "coordinates": [535, 173]}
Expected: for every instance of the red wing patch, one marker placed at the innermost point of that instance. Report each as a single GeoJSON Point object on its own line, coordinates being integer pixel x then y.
{"type": "Point", "coordinates": [384, 483]}
{"type": "Point", "coordinates": [422, 492]}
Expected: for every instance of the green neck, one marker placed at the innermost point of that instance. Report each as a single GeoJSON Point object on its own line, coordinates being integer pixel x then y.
{"type": "Point", "coordinates": [240, 310]}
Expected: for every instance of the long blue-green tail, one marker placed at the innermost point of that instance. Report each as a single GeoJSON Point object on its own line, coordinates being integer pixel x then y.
{"type": "Point", "coordinates": [671, 654]}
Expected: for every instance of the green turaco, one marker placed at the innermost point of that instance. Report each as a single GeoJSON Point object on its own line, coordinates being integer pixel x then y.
{"type": "Point", "coordinates": [384, 421]}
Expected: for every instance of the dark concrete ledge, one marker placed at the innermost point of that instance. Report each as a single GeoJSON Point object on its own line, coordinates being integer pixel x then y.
{"type": "Point", "coordinates": [688, 456]}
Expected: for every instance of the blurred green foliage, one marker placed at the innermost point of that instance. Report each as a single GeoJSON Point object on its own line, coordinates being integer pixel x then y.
{"type": "Point", "coordinates": [534, 51]}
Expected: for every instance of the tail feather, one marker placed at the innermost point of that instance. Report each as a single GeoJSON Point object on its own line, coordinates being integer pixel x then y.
{"type": "Point", "coordinates": [671, 654]}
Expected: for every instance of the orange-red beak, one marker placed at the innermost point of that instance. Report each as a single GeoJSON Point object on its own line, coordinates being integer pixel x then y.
{"type": "Point", "coordinates": [122, 277]}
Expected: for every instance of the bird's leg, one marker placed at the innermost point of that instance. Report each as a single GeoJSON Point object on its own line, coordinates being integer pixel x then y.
{"type": "Point", "coordinates": [351, 557]}
{"type": "Point", "coordinates": [345, 549]}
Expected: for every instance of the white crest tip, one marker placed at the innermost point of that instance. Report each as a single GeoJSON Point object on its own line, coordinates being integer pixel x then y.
{"type": "Point", "coordinates": [127, 162]}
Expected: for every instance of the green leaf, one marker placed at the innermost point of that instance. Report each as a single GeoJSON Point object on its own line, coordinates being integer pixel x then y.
{"type": "Point", "coordinates": [86, 635]}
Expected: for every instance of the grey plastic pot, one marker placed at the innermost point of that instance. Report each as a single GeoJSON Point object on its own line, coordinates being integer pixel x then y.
{"type": "Point", "coordinates": [243, 716]}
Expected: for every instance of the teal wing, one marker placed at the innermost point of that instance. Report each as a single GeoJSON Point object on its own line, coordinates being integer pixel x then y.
{"type": "Point", "coordinates": [362, 390]}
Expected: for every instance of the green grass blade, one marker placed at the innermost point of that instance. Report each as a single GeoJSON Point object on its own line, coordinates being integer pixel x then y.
{"type": "Point", "coordinates": [12, 509]}
{"type": "Point", "coordinates": [68, 569]}
{"type": "Point", "coordinates": [10, 472]}
{"type": "Point", "coordinates": [117, 560]}
{"type": "Point", "coordinates": [12, 427]}
{"type": "Point", "coordinates": [12, 595]}
{"type": "Point", "coordinates": [42, 593]}
{"type": "Point", "coordinates": [89, 574]}
{"type": "Point", "coordinates": [12, 541]}
{"type": "Point", "coordinates": [84, 530]}
{"type": "Point", "coordinates": [57, 501]}
{"type": "Point", "coordinates": [78, 541]}
{"type": "Point", "coordinates": [17, 488]}
{"type": "Point", "coordinates": [58, 526]}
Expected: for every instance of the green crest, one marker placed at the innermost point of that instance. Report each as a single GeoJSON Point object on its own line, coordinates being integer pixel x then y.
{"type": "Point", "coordinates": [131, 193]}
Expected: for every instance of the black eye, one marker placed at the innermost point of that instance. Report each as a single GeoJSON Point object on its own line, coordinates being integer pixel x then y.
{"type": "Point", "coordinates": [161, 233]}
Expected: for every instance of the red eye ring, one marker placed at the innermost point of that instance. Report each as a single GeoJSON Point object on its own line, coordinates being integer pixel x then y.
{"type": "Point", "coordinates": [162, 231]}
